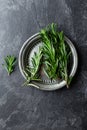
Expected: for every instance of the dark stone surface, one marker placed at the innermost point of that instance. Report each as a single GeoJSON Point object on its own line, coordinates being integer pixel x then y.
{"type": "Point", "coordinates": [23, 108]}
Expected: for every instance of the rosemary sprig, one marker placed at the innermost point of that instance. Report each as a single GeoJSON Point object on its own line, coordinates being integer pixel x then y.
{"type": "Point", "coordinates": [31, 72]}
{"type": "Point", "coordinates": [9, 64]}
{"type": "Point", "coordinates": [64, 54]}
{"type": "Point", "coordinates": [49, 53]}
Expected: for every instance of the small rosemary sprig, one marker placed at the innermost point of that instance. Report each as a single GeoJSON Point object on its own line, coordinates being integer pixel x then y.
{"type": "Point", "coordinates": [9, 63]}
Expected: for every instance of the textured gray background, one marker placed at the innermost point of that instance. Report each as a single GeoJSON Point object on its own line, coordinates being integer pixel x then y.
{"type": "Point", "coordinates": [23, 108]}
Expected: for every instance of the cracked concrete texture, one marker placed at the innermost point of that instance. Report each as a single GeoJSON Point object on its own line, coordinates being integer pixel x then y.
{"type": "Point", "coordinates": [26, 108]}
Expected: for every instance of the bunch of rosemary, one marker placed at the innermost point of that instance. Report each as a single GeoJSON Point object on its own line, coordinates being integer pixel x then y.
{"type": "Point", "coordinates": [54, 54]}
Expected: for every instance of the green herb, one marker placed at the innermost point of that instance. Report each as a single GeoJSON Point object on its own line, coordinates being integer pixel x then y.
{"type": "Point", "coordinates": [49, 52]}
{"type": "Point", "coordinates": [9, 64]}
{"type": "Point", "coordinates": [64, 54]}
{"type": "Point", "coordinates": [31, 71]}
{"type": "Point", "coordinates": [54, 54]}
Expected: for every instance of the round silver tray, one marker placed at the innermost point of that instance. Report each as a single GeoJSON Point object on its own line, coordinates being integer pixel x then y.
{"type": "Point", "coordinates": [32, 45]}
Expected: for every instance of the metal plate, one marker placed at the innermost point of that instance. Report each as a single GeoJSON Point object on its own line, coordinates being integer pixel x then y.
{"type": "Point", "coordinates": [26, 53]}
